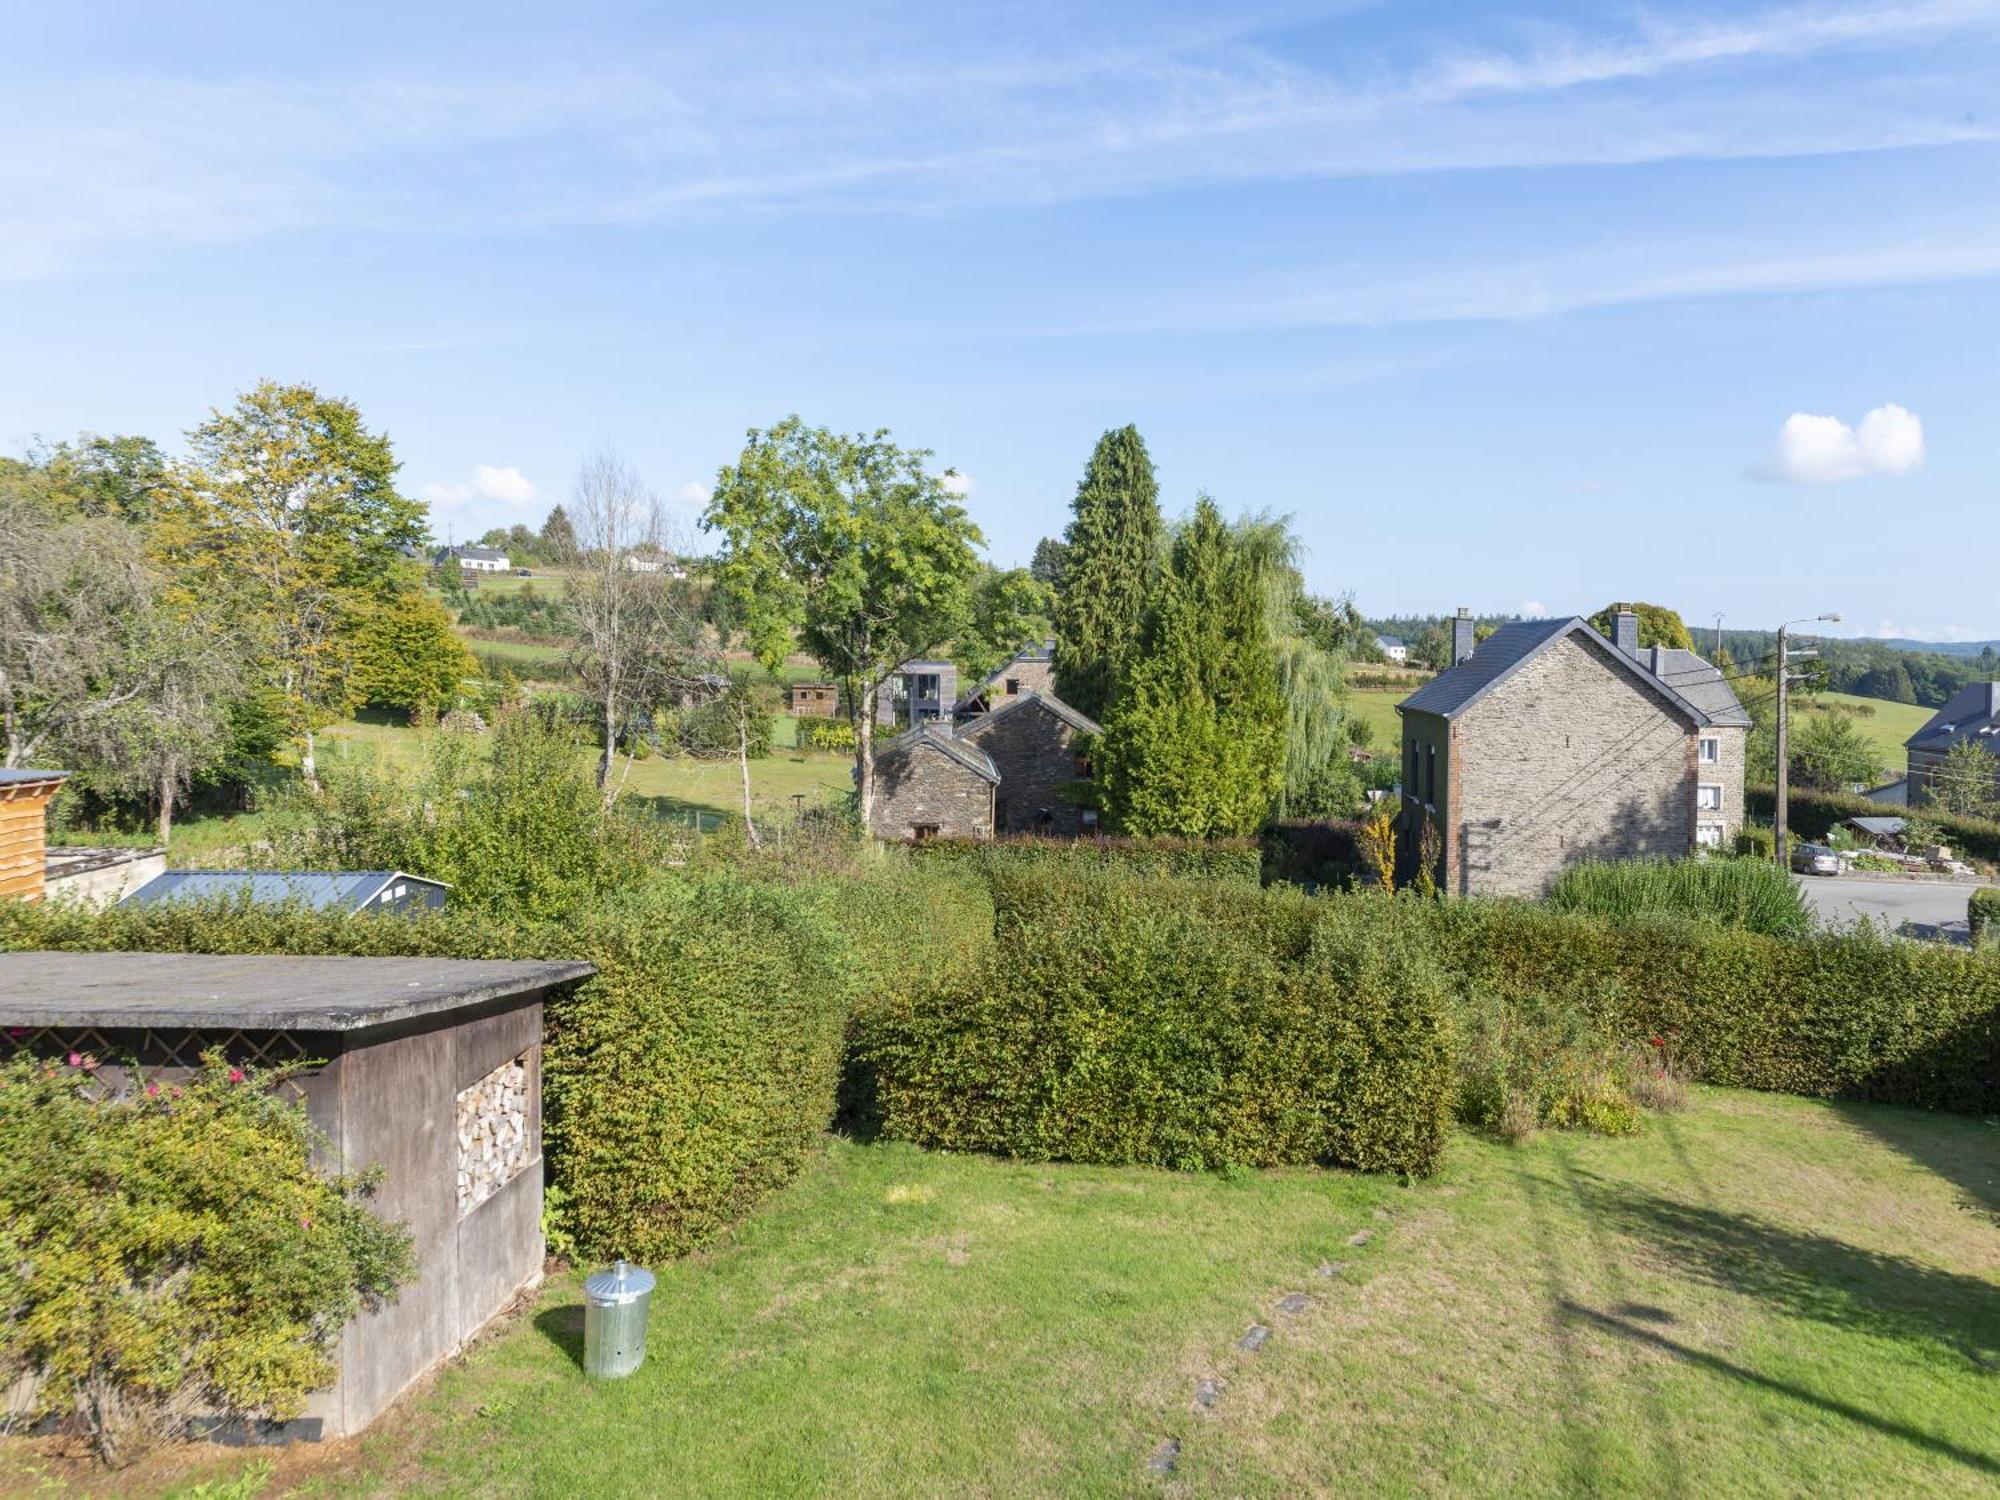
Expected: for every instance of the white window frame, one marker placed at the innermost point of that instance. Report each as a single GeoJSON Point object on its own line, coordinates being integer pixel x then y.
{"type": "Point", "coordinates": [1708, 836]}
{"type": "Point", "coordinates": [1708, 796]}
{"type": "Point", "coordinates": [1711, 749]}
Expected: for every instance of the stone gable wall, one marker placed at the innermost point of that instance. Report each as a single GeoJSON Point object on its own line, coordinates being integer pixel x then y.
{"type": "Point", "coordinates": [1568, 759]}
{"type": "Point", "coordinates": [925, 785]}
{"type": "Point", "coordinates": [1033, 750]}
{"type": "Point", "coordinates": [1728, 772]}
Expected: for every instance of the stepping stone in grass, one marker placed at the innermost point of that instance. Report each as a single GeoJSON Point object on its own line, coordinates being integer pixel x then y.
{"type": "Point", "coordinates": [1206, 1394]}
{"type": "Point", "coordinates": [1330, 1268]}
{"type": "Point", "coordinates": [1165, 1457]}
{"type": "Point", "coordinates": [1294, 1303]}
{"type": "Point", "coordinates": [1360, 1237]}
{"type": "Point", "coordinates": [1252, 1341]}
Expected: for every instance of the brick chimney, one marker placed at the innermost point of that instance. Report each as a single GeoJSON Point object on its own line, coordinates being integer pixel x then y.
{"type": "Point", "coordinates": [1625, 632]}
{"type": "Point", "coordinates": [1461, 636]}
{"type": "Point", "coordinates": [24, 806]}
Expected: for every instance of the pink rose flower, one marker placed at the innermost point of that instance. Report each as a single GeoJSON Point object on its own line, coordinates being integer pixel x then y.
{"type": "Point", "coordinates": [152, 1091]}
{"type": "Point", "coordinates": [235, 1075]}
{"type": "Point", "coordinates": [76, 1059]}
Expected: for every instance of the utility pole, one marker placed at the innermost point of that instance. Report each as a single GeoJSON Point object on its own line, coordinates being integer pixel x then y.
{"type": "Point", "coordinates": [1718, 635]}
{"type": "Point", "coordinates": [1785, 655]}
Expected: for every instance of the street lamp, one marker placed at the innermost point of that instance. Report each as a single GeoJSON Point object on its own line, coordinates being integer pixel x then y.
{"type": "Point", "coordinates": [1779, 808]}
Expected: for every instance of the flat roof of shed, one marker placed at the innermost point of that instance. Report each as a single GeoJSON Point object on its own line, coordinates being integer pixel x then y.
{"type": "Point", "coordinates": [257, 992]}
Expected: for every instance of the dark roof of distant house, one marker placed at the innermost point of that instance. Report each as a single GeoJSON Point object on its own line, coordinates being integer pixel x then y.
{"type": "Point", "coordinates": [1880, 828]}
{"type": "Point", "coordinates": [1512, 647]}
{"type": "Point", "coordinates": [1388, 642]}
{"type": "Point", "coordinates": [475, 554]}
{"type": "Point", "coordinates": [25, 776]}
{"type": "Point", "coordinates": [1972, 714]}
{"type": "Point", "coordinates": [940, 738]}
{"type": "Point", "coordinates": [323, 890]}
{"type": "Point", "coordinates": [1076, 719]}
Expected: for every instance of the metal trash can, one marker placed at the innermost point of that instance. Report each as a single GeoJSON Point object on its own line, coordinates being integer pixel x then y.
{"type": "Point", "coordinates": [615, 1303]}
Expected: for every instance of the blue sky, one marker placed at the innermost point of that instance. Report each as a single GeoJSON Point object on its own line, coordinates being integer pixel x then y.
{"type": "Point", "coordinates": [1510, 305]}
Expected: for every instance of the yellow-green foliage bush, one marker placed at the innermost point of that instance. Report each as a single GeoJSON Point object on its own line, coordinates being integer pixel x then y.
{"type": "Point", "coordinates": [171, 1254]}
{"type": "Point", "coordinates": [1185, 1024]}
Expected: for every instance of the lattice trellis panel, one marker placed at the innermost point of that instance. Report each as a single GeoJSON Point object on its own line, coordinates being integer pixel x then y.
{"type": "Point", "coordinates": [175, 1049]}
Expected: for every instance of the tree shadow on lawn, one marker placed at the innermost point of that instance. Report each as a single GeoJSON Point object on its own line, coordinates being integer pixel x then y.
{"type": "Point", "coordinates": [1807, 1275]}
{"type": "Point", "coordinates": [1628, 1327]}
{"type": "Point", "coordinates": [1968, 1159]}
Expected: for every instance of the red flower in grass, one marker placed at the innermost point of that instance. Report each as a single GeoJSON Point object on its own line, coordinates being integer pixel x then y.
{"type": "Point", "coordinates": [1658, 1043]}
{"type": "Point", "coordinates": [152, 1091]}
{"type": "Point", "coordinates": [235, 1075]}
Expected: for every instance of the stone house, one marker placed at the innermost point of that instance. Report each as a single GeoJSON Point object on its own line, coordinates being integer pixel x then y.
{"type": "Point", "coordinates": [1549, 744]}
{"type": "Point", "coordinates": [929, 784]}
{"type": "Point", "coordinates": [1032, 669]}
{"type": "Point", "coordinates": [1031, 739]}
{"type": "Point", "coordinates": [1971, 717]}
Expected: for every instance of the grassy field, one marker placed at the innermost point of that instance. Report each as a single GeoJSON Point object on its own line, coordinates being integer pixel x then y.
{"type": "Point", "coordinates": [1377, 707]}
{"type": "Point", "coordinates": [1762, 1295]}
{"type": "Point", "coordinates": [1886, 727]}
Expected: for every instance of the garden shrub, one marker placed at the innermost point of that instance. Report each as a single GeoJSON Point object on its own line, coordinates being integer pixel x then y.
{"type": "Point", "coordinates": [1983, 916]}
{"type": "Point", "coordinates": [1851, 1013]}
{"type": "Point", "coordinates": [1527, 1064]}
{"type": "Point", "coordinates": [684, 1081]}
{"type": "Point", "coordinates": [1757, 897]}
{"type": "Point", "coordinates": [1177, 1023]}
{"type": "Point", "coordinates": [171, 1254]}
{"type": "Point", "coordinates": [827, 734]}
{"type": "Point", "coordinates": [1240, 860]}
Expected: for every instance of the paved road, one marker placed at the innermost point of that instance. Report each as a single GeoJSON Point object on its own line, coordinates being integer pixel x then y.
{"type": "Point", "coordinates": [1929, 904]}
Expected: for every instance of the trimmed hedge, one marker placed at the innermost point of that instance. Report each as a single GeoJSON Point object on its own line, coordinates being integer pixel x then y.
{"type": "Point", "coordinates": [688, 1078]}
{"type": "Point", "coordinates": [1240, 860]}
{"type": "Point", "coordinates": [1176, 1023]}
{"type": "Point", "coordinates": [1983, 915]}
{"type": "Point", "coordinates": [1850, 1014]}
{"type": "Point", "coordinates": [1810, 815]}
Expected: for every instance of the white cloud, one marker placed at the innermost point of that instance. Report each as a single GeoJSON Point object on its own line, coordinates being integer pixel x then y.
{"type": "Point", "coordinates": [1889, 630]}
{"type": "Point", "coordinates": [957, 483]}
{"type": "Point", "coordinates": [1825, 450]}
{"type": "Point", "coordinates": [509, 486]}
{"type": "Point", "coordinates": [1534, 609]}
{"type": "Point", "coordinates": [694, 492]}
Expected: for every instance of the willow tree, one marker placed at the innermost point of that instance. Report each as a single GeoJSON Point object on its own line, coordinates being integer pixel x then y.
{"type": "Point", "coordinates": [1312, 680]}
{"type": "Point", "coordinates": [1110, 555]}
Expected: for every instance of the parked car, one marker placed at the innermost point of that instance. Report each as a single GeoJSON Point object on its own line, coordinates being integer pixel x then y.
{"type": "Point", "coordinates": [524, 572]}
{"type": "Point", "coordinates": [1815, 859]}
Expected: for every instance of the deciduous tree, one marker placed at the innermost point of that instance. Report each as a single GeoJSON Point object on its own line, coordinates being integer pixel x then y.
{"type": "Point", "coordinates": [1658, 625]}
{"type": "Point", "coordinates": [849, 548]}
{"type": "Point", "coordinates": [1966, 782]}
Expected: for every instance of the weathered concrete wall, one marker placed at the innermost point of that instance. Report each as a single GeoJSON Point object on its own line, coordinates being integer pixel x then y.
{"type": "Point", "coordinates": [99, 877]}
{"type": "Point", "coordinates": [1567, 759]}
{"type": "Point", "coordinates": [922, 785]}
{"type": "Point", "coordinates": [1031, 748]}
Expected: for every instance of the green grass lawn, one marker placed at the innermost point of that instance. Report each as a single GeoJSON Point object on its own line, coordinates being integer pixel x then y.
{"type": "Point", "coordinates": [1762, 1295]}
{"type": "Point", "coordinates": [1377, 707]}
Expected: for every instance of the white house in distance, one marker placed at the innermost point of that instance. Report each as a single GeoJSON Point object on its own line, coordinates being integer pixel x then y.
{"type": "Point", "coordinates": [1393, 648]}
{"type": "Point", "coordinates": [472, 559]}
{"type": "Point", "coordinates": [653, 560]}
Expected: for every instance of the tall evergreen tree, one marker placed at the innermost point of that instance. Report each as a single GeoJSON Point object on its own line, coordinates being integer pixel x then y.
{"type": "Point", "coordinates": [1195, 741]}
{"type": "Point", "coordinates": [1111, 552]}
{"type": "Point", "coordinates": [558, 539]}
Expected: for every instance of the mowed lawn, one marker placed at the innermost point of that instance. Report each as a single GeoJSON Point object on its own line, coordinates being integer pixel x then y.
{"type": "Point", "coordinates": [1761, 1295]}
{"type": "Point", "coordinates": [1884, 725]}
{"type": "Point", "coordinates": [682, 788]}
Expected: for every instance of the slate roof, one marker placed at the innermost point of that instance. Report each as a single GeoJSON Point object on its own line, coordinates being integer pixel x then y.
{"type": "Point", "coordinates": [939, 737]}
{"type": "Point", "coordinates": [475, 554]}
{"type": "Point", "coordinates": [1076, 720]}
{"type": "Point", "coordinates": [1879, 828]}
{"type": "Point", "coordinates": [1388, 642]}
{"type": "Point", "coordinates": [1700, 683]}
{"type": "Point", "coordinates": [1512, 647]}
{"type": "Point", "coordinates": [323, 890]}
{"type": "Point", "coordinates": [1972, 714]}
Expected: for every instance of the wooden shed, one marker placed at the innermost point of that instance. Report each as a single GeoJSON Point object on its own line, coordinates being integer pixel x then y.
{"type": "Point", "coordinates": [24, 810]}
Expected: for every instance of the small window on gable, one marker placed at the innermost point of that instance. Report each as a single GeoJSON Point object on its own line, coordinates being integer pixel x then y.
{"type": "Point", "coordinates": [1430, 773]}
{"type": "Point", "coordinates": [1708, 836]}
{"type": "Point", "coordinates": [923, 832]}
{"type": "Point", "coordinates": [1711, 750]}
{"type": "Point", "coordinates": [1708, 797]}
{"type": "Point", "coordinates": [1013, 687]}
